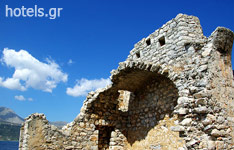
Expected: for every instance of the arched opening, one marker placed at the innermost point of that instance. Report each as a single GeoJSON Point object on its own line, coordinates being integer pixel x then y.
{"type": "Point", "coordinates": [139, 109]}
{"type": "Point", "coordinates": [151, 103]}
{"type": "Point", "coordinates": [150, 116]}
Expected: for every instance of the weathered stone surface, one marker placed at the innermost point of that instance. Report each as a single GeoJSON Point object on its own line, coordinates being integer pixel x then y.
{"type": "Point", "coordinates": [183, 100]}
{"type": "Point", "coordinates": [186, 122]}
{"type": "Point", "coordinates": [182, 111]}
{"type": "Point", "coordinates": [174, 91]}
{"type": "Point", "coordinates": [202, 109]}
{"type": "Point", "coordinates": [177, 128]}
{"type": "Point", "coordinates": [211, 145]}
{"type": "Point", "coordinates": [218, 133]}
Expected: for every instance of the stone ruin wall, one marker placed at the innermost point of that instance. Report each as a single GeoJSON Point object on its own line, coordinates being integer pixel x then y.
{"type": "Point", "coordinates": [174, 91]}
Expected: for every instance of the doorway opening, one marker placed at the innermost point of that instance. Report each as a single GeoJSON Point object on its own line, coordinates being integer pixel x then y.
{"type": "Point", "coordinates": [104, 135]}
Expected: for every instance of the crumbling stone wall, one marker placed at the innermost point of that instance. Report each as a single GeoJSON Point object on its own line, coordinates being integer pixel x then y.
{"type": "Point", "coordinates": [174, 91]}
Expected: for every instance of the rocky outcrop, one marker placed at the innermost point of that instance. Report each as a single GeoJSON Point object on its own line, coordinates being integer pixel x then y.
{"type": "Point", "coordinates": [174, 91]}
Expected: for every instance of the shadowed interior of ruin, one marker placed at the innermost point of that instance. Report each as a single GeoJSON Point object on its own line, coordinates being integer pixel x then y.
{"type": "Point", "coordinates": [152, 97]}
{"type": "Point", "coordinates": [134, 80]}
{"type": "Point", "coordinates": [156, 100]}
{"type": "Point", "coordinates": [104, 135]}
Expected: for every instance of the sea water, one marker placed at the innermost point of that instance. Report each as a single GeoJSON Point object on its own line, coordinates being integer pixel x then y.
{"type": "Point", "coordinates": [9, 145]}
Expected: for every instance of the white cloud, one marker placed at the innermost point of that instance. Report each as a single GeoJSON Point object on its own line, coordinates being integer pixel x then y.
{"type": "Point", "coordinates": [70, 62]}
{"type": "Point", "coordinates": [84, 86]}
{"type": "Point", "coordinates": [30, 72]}
{"type": "Point", "coordinates": [12, 83]}
{"type": "Point", "coordinates": [20, 97]}
{"type": "Point", "coordinates": [30, 99]}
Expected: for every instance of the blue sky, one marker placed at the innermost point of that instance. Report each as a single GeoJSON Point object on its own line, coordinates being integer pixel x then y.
{"type": "Point", "coordinates": [81, 47]}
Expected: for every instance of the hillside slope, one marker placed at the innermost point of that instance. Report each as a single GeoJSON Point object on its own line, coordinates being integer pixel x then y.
{"type": "Point", "coordinates": [8, 115]}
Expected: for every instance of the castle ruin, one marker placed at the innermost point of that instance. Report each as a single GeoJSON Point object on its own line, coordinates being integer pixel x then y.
{"type": "Point", "coordinates": [175, 91]}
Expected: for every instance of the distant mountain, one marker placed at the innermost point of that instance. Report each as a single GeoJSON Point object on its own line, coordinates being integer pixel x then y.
{"type": "Point", "coordinates": [10, 124]}
{"type": "Point", "coordinates": [59, 124]}
{"type": "Point", "coordinates": [8, 115]}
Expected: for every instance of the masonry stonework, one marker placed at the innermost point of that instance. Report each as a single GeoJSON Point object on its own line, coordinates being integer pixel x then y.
{"type": "Point", "coordinates": [175, 91]}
